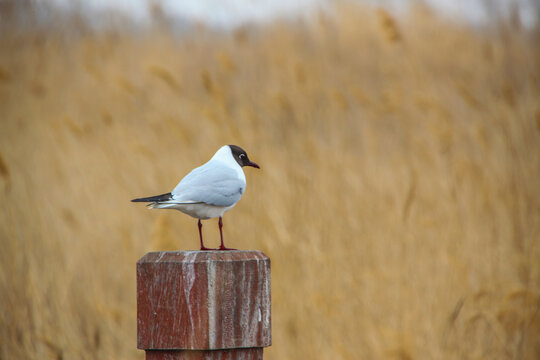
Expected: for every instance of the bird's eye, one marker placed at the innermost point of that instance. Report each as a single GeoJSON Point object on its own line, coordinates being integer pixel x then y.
{"type": "Point", "coordinates": [242, 156]}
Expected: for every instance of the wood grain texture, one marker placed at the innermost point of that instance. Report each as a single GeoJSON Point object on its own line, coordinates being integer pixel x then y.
{"type": "Point", "coordinates": [224, 354]}
{"type": "Point", "coordinates": [203, 300]}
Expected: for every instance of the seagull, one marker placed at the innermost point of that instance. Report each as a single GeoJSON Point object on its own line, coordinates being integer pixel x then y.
{"type": "Point", "coordinates": [208, 191]}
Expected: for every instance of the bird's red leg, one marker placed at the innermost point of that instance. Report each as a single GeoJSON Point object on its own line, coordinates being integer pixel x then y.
{"type": "Point", "coordinates": [222, 247]}
{"type": "Point", "coordinates": [200, 236]}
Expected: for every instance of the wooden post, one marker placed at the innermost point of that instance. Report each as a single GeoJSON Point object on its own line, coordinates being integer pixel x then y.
{"type": "Point", "coordinates": [203, 305]}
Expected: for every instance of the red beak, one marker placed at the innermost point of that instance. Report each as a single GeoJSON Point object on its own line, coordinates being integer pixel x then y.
{"type": "Point", "coordinates": [251, 163]}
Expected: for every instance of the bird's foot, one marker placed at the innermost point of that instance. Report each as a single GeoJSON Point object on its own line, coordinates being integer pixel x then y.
{"type": "Point", "coordinates": [204, 248]}
{"type": "Point", "coordinates": [225, 248]}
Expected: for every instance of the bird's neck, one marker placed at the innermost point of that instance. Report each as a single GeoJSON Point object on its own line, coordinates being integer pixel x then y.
{"type": "Point", "coordinates": [225, 155]}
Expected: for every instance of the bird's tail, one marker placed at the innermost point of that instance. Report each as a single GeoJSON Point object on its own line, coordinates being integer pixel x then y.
{"type": "Point", "coordinates": [164, 201]}
{"type": "Point", "coordinates": [154, 199]}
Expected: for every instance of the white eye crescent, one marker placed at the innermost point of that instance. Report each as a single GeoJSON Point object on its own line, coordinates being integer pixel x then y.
{"type": "Point", "coordinates": [241, 156]}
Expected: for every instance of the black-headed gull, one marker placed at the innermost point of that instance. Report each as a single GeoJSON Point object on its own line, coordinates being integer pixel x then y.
{"type": "Point", "coordinates": [209, 190]}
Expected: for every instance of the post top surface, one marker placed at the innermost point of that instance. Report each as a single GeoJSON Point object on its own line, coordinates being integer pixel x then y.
{"type": "Point", "coordinates": [201, 256]}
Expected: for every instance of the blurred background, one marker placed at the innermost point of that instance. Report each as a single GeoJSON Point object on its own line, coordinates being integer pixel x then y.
{"type": "Point", "coordinates": [399, 195]}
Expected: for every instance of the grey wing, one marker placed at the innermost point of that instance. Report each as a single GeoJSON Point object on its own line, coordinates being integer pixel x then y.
{"type": "Point", "coordinates": [215, 185]}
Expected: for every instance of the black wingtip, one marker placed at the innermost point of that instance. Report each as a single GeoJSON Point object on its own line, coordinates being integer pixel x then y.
{"type": "Point", "coordinates": [157, 198]}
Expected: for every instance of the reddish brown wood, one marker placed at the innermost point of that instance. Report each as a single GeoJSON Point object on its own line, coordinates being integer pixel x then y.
{"type": "Point", "coordinates": [203, 301]}
{"type": "Point", "coordinates": [226, 354]}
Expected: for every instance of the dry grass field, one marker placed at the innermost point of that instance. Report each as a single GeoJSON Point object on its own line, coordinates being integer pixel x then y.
{"type": "Point", "coordinates": [399, 195]}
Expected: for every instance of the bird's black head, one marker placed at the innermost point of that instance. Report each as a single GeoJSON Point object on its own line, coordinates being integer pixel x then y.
{"type": "Point", "coordinates": [241, 157]}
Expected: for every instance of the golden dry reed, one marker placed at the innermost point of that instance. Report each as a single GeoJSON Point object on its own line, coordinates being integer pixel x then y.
{"type": "Point", "coordinates": [399, 195]}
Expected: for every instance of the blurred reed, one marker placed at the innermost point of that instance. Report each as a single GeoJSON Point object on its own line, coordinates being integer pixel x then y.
{"type": "Point", "coordinates": [398, 198]}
